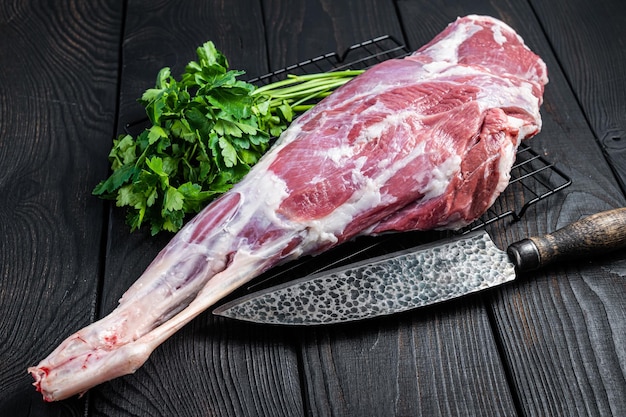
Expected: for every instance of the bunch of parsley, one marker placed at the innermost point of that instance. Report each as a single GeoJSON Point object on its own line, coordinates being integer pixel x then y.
{"type": "Point", "coordinates": [207, 130]}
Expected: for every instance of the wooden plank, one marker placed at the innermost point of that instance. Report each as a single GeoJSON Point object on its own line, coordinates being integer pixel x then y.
{"type": "Point", "coordinates": [209, 367]}
{"type": "Point", "coordinates": [431, 362]}
{"type": "Point", "coordinates": [554, 325]}
{"type": "Point", "coordinates": [573, 338]}
{"type": "Point", "coordinates": [434, 362]}
{"type": "Point", "coordinates": [57, 106]}
{"type": "Point", "coordinates": [301, 30]}
{"type": "Point", "coordinates": [588, 39]}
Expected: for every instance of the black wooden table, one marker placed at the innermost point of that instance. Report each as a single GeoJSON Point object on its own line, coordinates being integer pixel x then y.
{"type": "Point", "coordinates": [70, 73]}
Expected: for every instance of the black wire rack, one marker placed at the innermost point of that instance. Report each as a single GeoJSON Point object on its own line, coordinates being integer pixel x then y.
{"type": "Point", "coordinates": [360, 56]}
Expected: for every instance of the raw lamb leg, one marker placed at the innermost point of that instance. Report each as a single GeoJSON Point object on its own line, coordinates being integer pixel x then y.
{"type": "Point", "coordinates": [417, 143]}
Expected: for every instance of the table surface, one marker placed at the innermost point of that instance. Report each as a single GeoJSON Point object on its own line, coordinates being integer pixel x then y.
{"type": "Point", "coordinates": [553, 343]}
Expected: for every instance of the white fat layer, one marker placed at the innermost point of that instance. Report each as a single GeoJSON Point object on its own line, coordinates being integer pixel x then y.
{"type": "Point", "coordinates": [504, 93]}
{"type": "Point", "coordinates": [501, 96]}
{"type": "Point", "coordinates": [345, 151]}
{"type": "Point", "coordinates": [523, 127]}
{"type": "Point", "coordinates": [498, 37]}
{"type": "Point", "coordinates": [441, 176]}
{"type": "Point", "coordinates": [526, 130]}
{"type": "Point", "coordinates": [437, 68]}
{"type": "Point", "coordinates": [263, 197]}
{"type": "Point", "coordinates": [367, 196]}
{"type": "Point", "coordinates": [447, 49]}
{"type": "Point", "coordinates": [338, 154]}
{"type": "Point", "coordinates": [507, 158]}
{"type": "Point", "coordinates": [376, 130]}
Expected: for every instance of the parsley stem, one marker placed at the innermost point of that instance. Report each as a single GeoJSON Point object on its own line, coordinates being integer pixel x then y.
{"type": "Point", "coordinates": [301, 92]}
{"type": "Point", "coordinates": [296, 79]}
{"type": "Point", "coordinates": [306, 89]}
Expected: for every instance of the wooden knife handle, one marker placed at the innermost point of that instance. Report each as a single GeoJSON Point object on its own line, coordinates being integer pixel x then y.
{"type": "Point", "coordinates": [598, 233]}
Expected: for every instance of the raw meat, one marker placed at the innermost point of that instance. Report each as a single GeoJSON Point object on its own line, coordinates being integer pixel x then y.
{"type": "Point", "coordinates": [417, 143]}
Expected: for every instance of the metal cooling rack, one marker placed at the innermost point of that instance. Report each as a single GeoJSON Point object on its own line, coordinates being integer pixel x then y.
{"type": "Point", "coordinates": [360, 56]}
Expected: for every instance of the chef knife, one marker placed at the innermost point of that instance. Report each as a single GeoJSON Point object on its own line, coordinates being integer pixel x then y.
{"type": "Point", "coordinates": [423, 275]}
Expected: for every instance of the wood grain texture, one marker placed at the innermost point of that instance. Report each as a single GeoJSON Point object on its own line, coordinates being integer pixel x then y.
{"type": "Point", "coordinates": [208, 368]}
{"type": "Point", "coordinates": [303, 29]}
{"type": "Point", "coordinates": [438, 361]}
{"type": "Point", "coordinates": [596, 234]}
{"type": "Point", "coordinates": [589, 40]}
{"type": "Point", "coordinates": [557, 336]}
{"type": "Point", "coordinates": [57, 86]}
{"type": "Point", "coordinates": [564, 334]}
